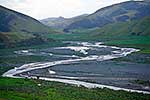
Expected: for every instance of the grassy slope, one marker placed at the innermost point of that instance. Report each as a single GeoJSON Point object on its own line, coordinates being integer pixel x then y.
{"type": "Point", "coordinates": [16, 39]}
{"type": "Point", "coordinates": [17, 36]}
{"type": "Point", "coordinates": [16, 21]}
{"type": "Point", "coordinates": [24, 89]}
{"type": "Point", "coordinates": [17, 28]}
{"type": "Point", "coordinates": [123, 12]}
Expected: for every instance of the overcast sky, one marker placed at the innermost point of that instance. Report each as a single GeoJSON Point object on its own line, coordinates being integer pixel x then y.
{"type": "Point", "coordinates": [41, 9]}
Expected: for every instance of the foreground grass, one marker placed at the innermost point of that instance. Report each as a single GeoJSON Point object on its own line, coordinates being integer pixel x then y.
{"type": "Point", "coordinates": [25, 89]}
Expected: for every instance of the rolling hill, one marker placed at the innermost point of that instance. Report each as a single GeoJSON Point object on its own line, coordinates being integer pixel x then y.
{"type": "Point", "coordinates": [122, 12]}
{"type": "Point", "coordinates": [130, 28]}
{"type": "Point", "coordinates": [18, 28]}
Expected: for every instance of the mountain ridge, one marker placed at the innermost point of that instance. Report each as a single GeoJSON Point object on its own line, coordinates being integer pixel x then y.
{"type": "Point", "coordinates": [61, 22]}
{"type": "Point", "coordinates": [125, 11]}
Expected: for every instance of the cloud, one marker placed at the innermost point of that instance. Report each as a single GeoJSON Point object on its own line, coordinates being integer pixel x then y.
{"type": "Point", "coordinates": [53, 8]}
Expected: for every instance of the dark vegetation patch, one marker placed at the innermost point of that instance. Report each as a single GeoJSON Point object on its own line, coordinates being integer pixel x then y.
{"type": "Point", "coordinates": [142, 82]}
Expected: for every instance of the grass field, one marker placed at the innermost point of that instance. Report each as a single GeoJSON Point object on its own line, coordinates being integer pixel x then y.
{"type": "Point", "coordinates": [28, 89]}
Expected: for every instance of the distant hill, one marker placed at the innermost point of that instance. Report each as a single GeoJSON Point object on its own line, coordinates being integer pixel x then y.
{"type": "Point", "coordinates": [18, 28]}
{"type": "Point", "coordinates": [122, 12]}
{"type": "Point", "coordinates": [61, 22]}
{"type": "Point", "coordinates": [120, 29]}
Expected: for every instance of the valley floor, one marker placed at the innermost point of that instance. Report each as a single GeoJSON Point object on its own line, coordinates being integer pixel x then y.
{"type": "Point", "coordinates": [20, 89]}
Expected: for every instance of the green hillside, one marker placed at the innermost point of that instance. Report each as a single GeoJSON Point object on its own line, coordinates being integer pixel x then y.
{"type": "Point", "coordinates": [19, 29]}
{"type": "Point", "coordinates": [122, 12]}
{"type": "Point", "coordinates": [129, 28]}
{"type": "Point", "coordinates": [115, 30]}
{"type": "Point", "coordinates": [15, 21]}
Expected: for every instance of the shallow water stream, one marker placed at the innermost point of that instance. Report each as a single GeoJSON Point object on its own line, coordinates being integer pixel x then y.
{"type": "Point", "coordinates": [85, 61]}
